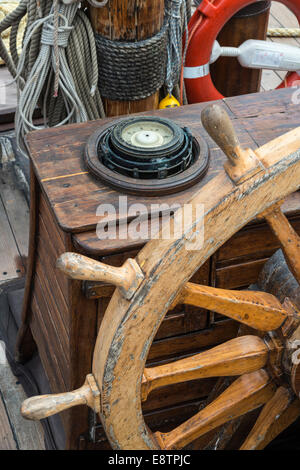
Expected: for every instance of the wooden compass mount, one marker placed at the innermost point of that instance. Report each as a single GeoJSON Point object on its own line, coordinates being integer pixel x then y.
{"type": "Point", "coordinates": [61, 316]}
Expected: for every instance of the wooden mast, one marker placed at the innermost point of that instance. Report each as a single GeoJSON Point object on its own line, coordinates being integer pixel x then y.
{"type": "Point", "coordinates": [129, 20]}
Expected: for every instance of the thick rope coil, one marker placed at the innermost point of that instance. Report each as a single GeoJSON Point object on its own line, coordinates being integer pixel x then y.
{"type": "Point", "coordinates": [132, 70]}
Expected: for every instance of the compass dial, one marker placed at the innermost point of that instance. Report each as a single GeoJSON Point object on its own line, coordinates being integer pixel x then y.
{"type": "Point", "coordinates": [147, 155]}
{"type": "Point", "coordinates": [147, 134]}
{"type": "Point", "coordinates": [147, 137]}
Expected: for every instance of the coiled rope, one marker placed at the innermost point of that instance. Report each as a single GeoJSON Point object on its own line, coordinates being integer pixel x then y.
{"type": "Point", "coordinates": [57, 68]}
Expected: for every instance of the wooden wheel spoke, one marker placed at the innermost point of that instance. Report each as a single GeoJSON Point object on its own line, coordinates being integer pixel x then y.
{"type": "Point", "coordinates": [258, 310]}
{"type": "Point", "coordinates": [287, 418]}
{"type": "Point", "coordinates": [270, 413]}
{"type": "Point", "coordinates": [288, 238]}
{"type": "Point", "coordinates": [248, 392]}
{"type": "Point", "coordinates": [235, 357]}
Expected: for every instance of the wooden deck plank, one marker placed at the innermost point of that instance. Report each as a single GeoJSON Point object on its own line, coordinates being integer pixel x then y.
{"type": "Point", "coordinates": [7, 441]}
{"type": "Point", "coordinates": [27, 434]}
{"type": "Point", "coordinates": [17, 210]}
{"type": "Point", "coordinates": [11, 266]}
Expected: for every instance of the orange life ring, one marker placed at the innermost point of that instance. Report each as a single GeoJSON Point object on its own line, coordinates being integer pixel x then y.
{"type": "Point", "coordinates": [204, 27]}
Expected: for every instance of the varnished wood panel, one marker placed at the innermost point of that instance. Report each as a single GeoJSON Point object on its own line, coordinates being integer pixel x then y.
{"type": "Point", "coordinates": [187, 344]}
{"type": "Point", "coordinates": [240, 275]}
{"type": "Point", "coordinates": [249, 244]}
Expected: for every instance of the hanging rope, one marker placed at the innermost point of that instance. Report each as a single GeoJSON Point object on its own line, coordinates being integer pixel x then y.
{"type": "Point", "coordinates": [57, 69]}
{"type": "Point", "coordinates": [51, 59]}
{"type": "Point", "coordinates": [188, 6]}
{"type": "Point", "coordinates": [176, 10]}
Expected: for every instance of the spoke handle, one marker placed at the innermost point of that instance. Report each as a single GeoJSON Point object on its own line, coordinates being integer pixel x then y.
{"type": "Point", "coordinates": [128, 277]}
{"type": "Point", "coordinates": [43, 406]}
{"type": "Point", "coordinates": [218, 125]}
{"type": "Point", "coordinates": [241, 163]}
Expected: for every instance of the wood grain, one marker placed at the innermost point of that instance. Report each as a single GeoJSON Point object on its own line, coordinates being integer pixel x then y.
{"type": "Point", "coordinates": [7, 441]}
{"type": "Point", "coordinates": [11, 265]}
{"type": "Point", "coordinates": [128, 277]}
{"type": "Point", "coordinates": [236, 357]}
{"type": "Point", "coordinates": [226, 210]}
{"type": "Point", "coordinates": [242, 163]}
{"type": "Point", "coordinates": [245, 394]}
{"type": "Point", "coordinates": [258, 310]}
{"type": "Point", "coordinates": [288, 238]}
{"type": "Point", "coordinates": [42, 406]}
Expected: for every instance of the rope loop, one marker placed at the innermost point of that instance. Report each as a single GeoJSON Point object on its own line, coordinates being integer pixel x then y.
{"type": "Point", "coordinates": [63, 32]}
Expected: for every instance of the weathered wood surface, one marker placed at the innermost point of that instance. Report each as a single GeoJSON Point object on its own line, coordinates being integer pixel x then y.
{"type": "Point", "coordinates": [258, 310]}
{"type": "Point", "coordinates": [288, 238]}
{"type": "Point", "coordinates": [270, 413]}
{"type": "Point", "coordinates": [248, 392]}
{"type": "Point", "coordinates": [41, 407]}
{"type": "Point", "coordinates": [236, 357]}
{"type": "Point", "coordinates": [128, 277]}
{"type": "Point", "coordinates": [14, 225]}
